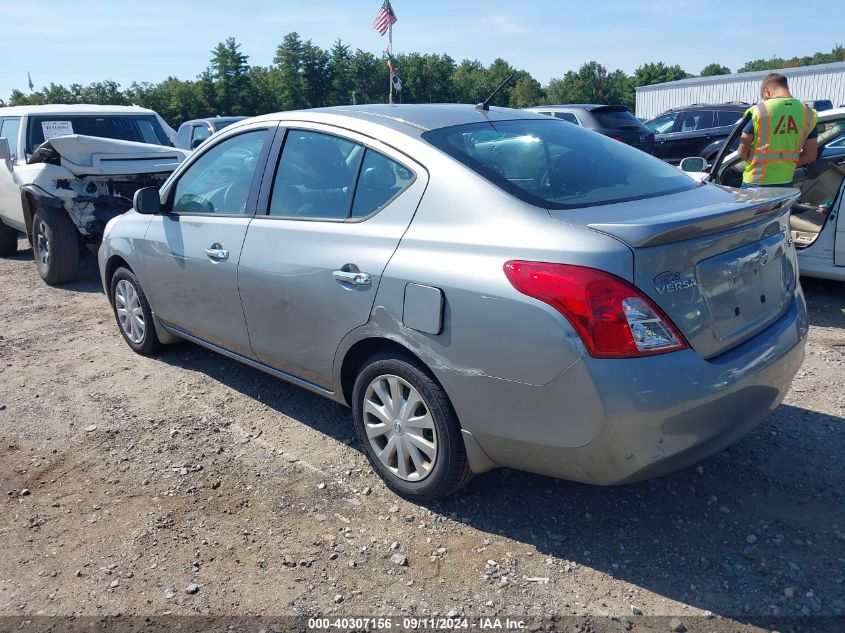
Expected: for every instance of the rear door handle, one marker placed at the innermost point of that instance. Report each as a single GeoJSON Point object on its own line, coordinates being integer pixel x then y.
{"type": "Point", "coordinates": [217, 252]}
{"type": "Point", "coordinates": [354, 278]}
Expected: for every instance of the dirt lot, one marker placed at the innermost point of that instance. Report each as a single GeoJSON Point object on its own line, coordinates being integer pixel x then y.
{"type": "Point", "coordinates": [189, 484]}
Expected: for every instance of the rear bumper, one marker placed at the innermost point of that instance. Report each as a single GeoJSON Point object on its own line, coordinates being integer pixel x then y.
{"type": "Point", "coordinates": [618, 421]}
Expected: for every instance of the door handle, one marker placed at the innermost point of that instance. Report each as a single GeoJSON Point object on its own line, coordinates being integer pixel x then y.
{"type": "Point", "coordinates": [217, 252]}
{"type": "Point", "coordinates": [354, 278]}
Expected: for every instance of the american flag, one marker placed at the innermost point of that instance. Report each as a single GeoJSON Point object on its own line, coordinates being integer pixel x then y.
{"type": "Point", "coordinates": [385, 18]}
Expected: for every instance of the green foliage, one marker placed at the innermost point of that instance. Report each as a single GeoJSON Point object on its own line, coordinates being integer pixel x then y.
{"type": "Point", "coordinates": [592, 83]}
{"type": "Point", "coordinates": [715, 69]}
{"type": "Point", "coordinates": [303, 75]}
{"type": "Point", "coordinates": [837, 54]}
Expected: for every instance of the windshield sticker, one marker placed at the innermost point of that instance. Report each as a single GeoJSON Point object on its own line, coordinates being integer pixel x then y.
{"type": "Point", "coordinates": [52, 129]}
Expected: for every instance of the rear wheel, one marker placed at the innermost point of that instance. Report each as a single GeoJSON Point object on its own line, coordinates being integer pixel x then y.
{"type": "Point", "coordinates": [133, 313]}
{"type": "Point", "coordinates": [8, 240]}
{"type": "Point", "coordinates": [408, 428]}
{"type": "Point", "coordinates": [55, 245]}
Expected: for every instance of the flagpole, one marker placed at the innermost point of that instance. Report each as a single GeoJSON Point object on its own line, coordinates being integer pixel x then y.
{"type": "Point", "coordinates": [390, 58]}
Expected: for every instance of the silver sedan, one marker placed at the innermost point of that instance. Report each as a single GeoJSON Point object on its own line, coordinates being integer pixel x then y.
{"type": "Point", "coordinates": [482, 287]}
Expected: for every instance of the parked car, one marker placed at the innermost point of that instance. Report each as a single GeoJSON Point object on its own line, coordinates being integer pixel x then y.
{"type": "Point", "coordinates": [192, 133]}
{"type": "Point", "coordinates": [66, 170]}
{"type": "Point", "coordinates": [816, 224]}
{"type": "Point", "coordinates": [615, 121]}
{"type": "Point", "coordinates": [696, 130]}
{"type": "Point", "coordinates": [482, 287]}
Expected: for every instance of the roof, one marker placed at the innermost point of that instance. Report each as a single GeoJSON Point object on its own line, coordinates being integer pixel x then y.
{"type": "Point", "coordinates": [62, 108]}
{"type": "Point", "coordinates": [817, 69]}
{"type": "Point", "coordinates": [408, 118]}
{"type": "Point", "coordinates": [576, 106]}
{"type": "Point", "coordinates": [216, 119]}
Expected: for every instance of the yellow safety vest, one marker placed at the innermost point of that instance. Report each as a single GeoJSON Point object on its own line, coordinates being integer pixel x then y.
{"type": "Point", "coordinates": [781, 127]}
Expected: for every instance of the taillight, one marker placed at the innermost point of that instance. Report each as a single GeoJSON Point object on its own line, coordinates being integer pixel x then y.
{"type": "Point", "coordinates": [614, 319]}
{"type": "Point", "coordinates": [614, 137]}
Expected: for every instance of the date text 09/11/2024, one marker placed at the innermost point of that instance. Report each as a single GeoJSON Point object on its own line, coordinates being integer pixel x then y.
{"type": "Point", "coordinates": [411, 623]}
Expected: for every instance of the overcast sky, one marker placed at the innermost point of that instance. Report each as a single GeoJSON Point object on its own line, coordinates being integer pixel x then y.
{"type": "Point", "coordinates": [81, 41]}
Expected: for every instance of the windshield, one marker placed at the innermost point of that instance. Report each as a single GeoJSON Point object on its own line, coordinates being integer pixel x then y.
{"type": "Point", "coordinates": [142, 128]}
{"type": "Point", "coordinates": [554, 165]}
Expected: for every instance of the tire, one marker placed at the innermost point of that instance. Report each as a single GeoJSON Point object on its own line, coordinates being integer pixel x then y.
{"type": "Point", "coordinates": [8, 240]}
{"type": "Point", "coordinates": [431, 475]}
{"type": "Point", "coordinates": [132, 313]}
{"type": "Point", "coordinates": [55, 246]}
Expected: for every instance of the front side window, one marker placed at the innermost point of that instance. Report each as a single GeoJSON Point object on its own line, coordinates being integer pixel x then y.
{"type": "Point", "coordinates": [220, 179]}
{"type": "Point", "coordinates": [662, 124]}
{"type": "Point", "coordinates": [141, 128]}
{"type": "Point", "coordinates": [558, 166]}
{"type": "Point", "coordinates": [695, 120]}
{"type": "Point", "coordinates": [9, 129]}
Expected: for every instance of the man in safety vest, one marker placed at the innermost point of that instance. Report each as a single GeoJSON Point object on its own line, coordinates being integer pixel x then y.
{"type": "Point", "coordinates": [780, 136]}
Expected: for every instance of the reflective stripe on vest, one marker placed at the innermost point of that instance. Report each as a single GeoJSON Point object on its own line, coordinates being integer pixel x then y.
{"type": "Point", "coordinates": [778, 140]}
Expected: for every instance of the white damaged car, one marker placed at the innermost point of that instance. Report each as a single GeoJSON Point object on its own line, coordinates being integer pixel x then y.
{"type": "Point", "coordinates": [66, 170]}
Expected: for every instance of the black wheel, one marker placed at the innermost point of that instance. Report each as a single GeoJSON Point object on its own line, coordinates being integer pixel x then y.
{"type": "Point", "coordinates": [408, 428]}
{"type": "Point", "coordinates": [8, 240]}
{"type": "Point", "coordinates": [132, 313]}
{"type": "Point", "coordinates": [55, 246]}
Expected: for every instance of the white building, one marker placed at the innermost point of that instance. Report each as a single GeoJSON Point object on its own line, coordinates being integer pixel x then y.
{"type": "Point", "coordinates": [808, 83]}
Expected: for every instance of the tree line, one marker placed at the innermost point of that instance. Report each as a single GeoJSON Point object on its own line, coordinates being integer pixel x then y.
{"type": "Point", "coordinates": [304, 75]}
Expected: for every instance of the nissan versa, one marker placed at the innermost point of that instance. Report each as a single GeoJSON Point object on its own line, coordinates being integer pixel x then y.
{"type": "Point", "coordinates": [483, 287]}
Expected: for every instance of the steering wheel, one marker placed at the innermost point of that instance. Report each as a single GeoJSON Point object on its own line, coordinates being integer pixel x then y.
{"type": "Point", "coordinates": [191, 203]}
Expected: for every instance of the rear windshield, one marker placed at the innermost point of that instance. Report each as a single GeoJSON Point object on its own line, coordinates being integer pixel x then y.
{"type": "Point", "coordinates": [143, 128]}
{"type": "Point", "coordinates": [616, 119]}
{"type": "Point", "coordinates": [554, 165]}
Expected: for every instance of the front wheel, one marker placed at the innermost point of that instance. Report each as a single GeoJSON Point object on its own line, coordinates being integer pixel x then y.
{"type": "Point", "coordinates": [133, 313]}
{"type": "Point", "coordinates": [408, 428]}
{"type": "Point", "coordinates": [55, 246]}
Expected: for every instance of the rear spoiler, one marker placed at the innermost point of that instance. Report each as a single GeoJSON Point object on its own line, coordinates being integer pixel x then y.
{"type": "Point", "coordinates": [678, 226]}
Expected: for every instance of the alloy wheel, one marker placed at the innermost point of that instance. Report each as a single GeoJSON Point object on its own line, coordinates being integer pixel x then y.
{"type": "Point", "coordinates": [400, 427]}
{"type": "Point", "coordinates": [130, 315]}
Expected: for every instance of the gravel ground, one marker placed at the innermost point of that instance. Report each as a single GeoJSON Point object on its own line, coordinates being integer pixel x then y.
{"type": "Point", "coordinates": [188, 484]}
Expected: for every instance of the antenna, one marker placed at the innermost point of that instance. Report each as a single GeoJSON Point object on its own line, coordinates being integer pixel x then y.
{"type": "Point", "coordinates": [485, 105]}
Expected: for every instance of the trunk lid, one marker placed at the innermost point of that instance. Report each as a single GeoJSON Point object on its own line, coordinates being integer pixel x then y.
{"type": "Point", "coordinates": [95, 156]}
{"type": "Point", "coordinates": [719, 262]}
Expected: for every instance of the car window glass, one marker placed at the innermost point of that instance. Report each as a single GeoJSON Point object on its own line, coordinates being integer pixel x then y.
{"type": "Point", "coordinates": [9, 130]}
{"type": "Point", "coordinates": [220, 179]}
{"type": "Point", "coordinates": [315, 176]}
{"type": "Point", "coordinates": [558, 166]}
{"type": "Point", "coordinates": [566, 116]}
{"type": "Point", "coordinates": [830, 130]}
{"type": "Point", "coordinates": [727, 117]}
{"type": "Point", "coordinates": [143, 128]}
{"type": "Point", "coordinates": [662, 124]}
{"type": "Point", "coordinates": [200, 133]}
{"type": "Point", "coordinates": [837, 142]}
{"type": "Point", "coordinates": [696, 120]}
{"type": "Point", "coordinates": [380, 181]}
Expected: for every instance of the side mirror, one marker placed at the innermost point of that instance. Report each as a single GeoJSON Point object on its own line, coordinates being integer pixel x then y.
{"type": "Point", "coordinates": [147, 201]}
{"type": "Point", "coordinates": [693, 164]}
{"type": "Point", "coordinates": [5, 152]}
{"type": "Point", "coordinates": [196, 143]}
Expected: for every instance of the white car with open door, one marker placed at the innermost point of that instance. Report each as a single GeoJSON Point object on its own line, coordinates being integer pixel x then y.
{"type": "Point", "coordinates": [816, 223]}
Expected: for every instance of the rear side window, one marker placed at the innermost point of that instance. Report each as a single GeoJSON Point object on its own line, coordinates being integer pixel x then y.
{"type": "Point", "coordinates": [615, 118]}
{"type": "Point", "coordinates": [325, 177]}
{"type": "Point", "coordinates": [558, 166]}
{"type": "Point", "coordinates": [566, 116]}
{"type": "Point", "coordinates": [727, 118]}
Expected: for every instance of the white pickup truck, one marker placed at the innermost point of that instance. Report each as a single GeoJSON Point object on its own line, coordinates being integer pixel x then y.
{"type": "Point", "coordinates": [66, 170]}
